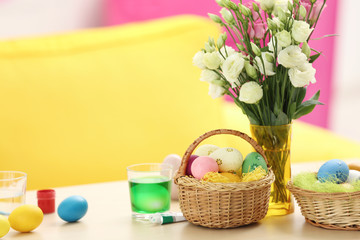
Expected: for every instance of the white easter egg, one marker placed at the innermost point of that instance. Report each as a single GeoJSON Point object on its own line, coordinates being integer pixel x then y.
{"type": "Point", "coordinates": [354, 175]}
{"type": "Point", "coordinates": [205, 150]}
{"type": "Point", "coordinates": [228, 159]}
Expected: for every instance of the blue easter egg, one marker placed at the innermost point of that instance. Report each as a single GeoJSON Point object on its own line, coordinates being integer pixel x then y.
{"type": "Point", "coordinates": [72, 208]}
{"type": "Point", "coordinates": [334, 170]}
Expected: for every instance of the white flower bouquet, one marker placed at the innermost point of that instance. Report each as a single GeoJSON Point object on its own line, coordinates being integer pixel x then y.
{"type": "Point", "coordinates": [268, 73]}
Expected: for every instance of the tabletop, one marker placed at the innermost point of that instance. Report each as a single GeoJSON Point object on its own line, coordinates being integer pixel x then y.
{"type": "Point", "coordinates": [109, 217]}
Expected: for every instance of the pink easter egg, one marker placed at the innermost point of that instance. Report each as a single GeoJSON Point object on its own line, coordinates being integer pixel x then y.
{"type": "Point", "coordinates": [203, 165]}
{"type": "Point", "coordinates": [190, 162]}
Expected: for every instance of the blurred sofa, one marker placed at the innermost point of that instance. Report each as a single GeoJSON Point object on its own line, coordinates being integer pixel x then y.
{"type": "Point", "coordinates": [78, 108]}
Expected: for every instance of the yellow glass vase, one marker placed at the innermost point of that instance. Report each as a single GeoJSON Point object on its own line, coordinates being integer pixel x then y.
{"type": "Point", "coordinates": [276, 141]}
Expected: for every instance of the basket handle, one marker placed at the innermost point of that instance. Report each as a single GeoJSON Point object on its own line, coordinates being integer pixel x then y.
{"type": "Point", "coordinates": [182, 170]}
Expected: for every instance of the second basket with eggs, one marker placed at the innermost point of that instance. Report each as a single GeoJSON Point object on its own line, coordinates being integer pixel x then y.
{"type": "Point", "coordinates": [223, 205]}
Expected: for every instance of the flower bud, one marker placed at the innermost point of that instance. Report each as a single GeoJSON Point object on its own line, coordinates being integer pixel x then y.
{"type": "Point", "coordinates": [215, 18]}
{"type": "Point", "coordinates": [281, 15]}
{"type": "Point", "coordinates": [271, 25]}
{"type": "Point", "coordinates": [224, 36]}
{"type": "Point", "coordinates": [290, 6]}
{"type": "Point", "coordinates": [296, 1]}
{"type": "Point", "coordinates": [306, 49]}
{"type": "Point", "coordinates": [255, 49]}
{"type": "Point", "coordinates": [255, 7]}
{"type": "Point", "coordinates": [269, 57]}
{"type": "Point", "coordinates": [250, 70]}
{"type": "Point", "coordinates": [211, 42]}
{"type": "Point", "coordinates": [226, 14]}
{"type": "Point", "coordinates": [220, 42]}
{"type": "Point", "coordinates": [209, 48]}
{"type": "Point", "coordinates": [220, 3]}
{"type": "Point", "coordinates": [244, 10]}
{"type": "Point", "coordinates": [231, 5]}
{"type": "Point", "coordinates": [240, 47]}
{"type": "Point", "coordinates": [312, 1]}
{"type": "Point", "coordinates": [302, 11]}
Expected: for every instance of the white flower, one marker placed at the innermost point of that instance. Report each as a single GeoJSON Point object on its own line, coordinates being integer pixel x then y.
{"type": "Point", "coordinates": [283, 4]}
{"type": "Point", "coordinates": [232, 68]}
{"type": "Point", "coordinates": [229, 50]}
{"type": "Point", "coordinates": [250, 92]}
{"type": "Point", "coordinates": [301, 31]}
{"type": "Point", "coordinates": [291, 57]}
{"type": "Point", "coordinates": [209, 76]}
{"type": "Point", "coordinates": [198, 60]}
{"type": "Point", "coordinates": [302, 75]}
{"type": "Point", "coordinates": [212, 60]}
{"type": "Point", "coordinates": [283, 38]}
{"type": "Point", "coordinates": [266, 5]}
{"type": "Point", "coordinates": [216, 91]}
{"type": "Point", "coordinates": [269, 66]}
{"type": "Point", "coordinates": [271, 46]}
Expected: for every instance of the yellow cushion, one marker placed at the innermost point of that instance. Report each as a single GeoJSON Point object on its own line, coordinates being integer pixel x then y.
{"type": "Point", "coordinates": [80, 107]}
{"type": "Point", "coordinates": [309, 143]}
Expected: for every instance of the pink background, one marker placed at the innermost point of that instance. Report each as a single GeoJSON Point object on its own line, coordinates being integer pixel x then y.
{"type": "Point", "coordinates": [124, 11]}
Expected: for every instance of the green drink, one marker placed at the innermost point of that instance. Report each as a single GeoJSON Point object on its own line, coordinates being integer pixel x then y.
{"type": "Point", "coordinates": [150, 188]}
{"type": "Point", "coordinates": [150, 194]}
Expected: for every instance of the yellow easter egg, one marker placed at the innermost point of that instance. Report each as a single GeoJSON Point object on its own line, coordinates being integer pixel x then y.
{"type": "Point", "coordinates": [4, 226]}
{"type": "Point", "coordinates": [26, 218]}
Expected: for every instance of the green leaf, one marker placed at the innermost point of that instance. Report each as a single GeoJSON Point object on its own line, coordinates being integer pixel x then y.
{"type": "Point", "coordinates": [314, 57]}
{"type": "Point", "coordinates": [307, 106]}
{"type": "Point", "coordinates": [281, 119]}
{"type": "Point", "coordinates": [316, 96]}
{"type": "Point", "coordinates": [292, 109]}
{"type": "Point", "coordinates": [277, 108]}
{"type": "Point", "coordinates": [301, 96]}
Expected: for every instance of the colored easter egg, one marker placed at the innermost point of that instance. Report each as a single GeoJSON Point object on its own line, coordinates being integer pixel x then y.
{"type": "Point", "coordinates": [228, 159]}
{"type": "Point", "coordinates": [73, 208]}
{"type": "Point", "coordinates": [4, 226]}
{"type": "Point", "coordinates": [206, 150]}
{"type": "Point", "coordinates": [203, 165]}
{"type": "Point", "coordinates": [26, 218]}
{"type": "Point", "coordinates": [190, 162]}
{"type": "Point", "coordinates": [353, 176]}
{"type": "Point", "coordinates": [334, 170]}
{"type": "Point", "coordinates": [252, 161]}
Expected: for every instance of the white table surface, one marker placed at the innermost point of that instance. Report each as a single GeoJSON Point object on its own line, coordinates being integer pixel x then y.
{"type": "Point", "coordinates": [109, 217]}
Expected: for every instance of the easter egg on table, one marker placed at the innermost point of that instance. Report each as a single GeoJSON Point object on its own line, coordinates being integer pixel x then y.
{"type": "Point", "coordinates": [73, 208]}
{"type": "Point", "coordinates": [228, 159]}
{"type": "Point", "coordinates": [4, 226]}
{"type": "Point", "coordinates": [206, 150]}
{"type": "Point", "coordinates": [26, 218]}
{"type": "Point", "coordinates": [334, 170]}
{"type": "Point", "coordinates": [252, 161]}
{"type": "Point", "coordinates": [190, 162]}
{"type": "Point", "coordinates": [353, 176]}
{"type": "Point", "coordinates": [203, 165]}
{"type": "Point", "coordinates": [173, 160]}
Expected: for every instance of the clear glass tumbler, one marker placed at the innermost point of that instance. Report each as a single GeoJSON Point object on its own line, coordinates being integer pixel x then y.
{"type": "Point", "coordinates": [150, 188]}
{"type": "Point", "coordinates": [12, 190]}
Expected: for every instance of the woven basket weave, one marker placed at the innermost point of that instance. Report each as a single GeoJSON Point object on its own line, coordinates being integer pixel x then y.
{"type": "Point", "coordinates": [340, 211]}
{"type": "Point", "coordinates": [223, 205]}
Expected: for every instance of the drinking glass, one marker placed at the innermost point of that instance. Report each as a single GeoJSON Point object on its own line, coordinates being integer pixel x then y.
{"type": "Point", "coordinates": [150, 188]}
{"type": "Point", "coordinates": [12, 190]}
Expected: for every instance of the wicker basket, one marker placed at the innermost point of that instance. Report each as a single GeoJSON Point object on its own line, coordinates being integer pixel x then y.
{"type": "Point", "coordinates": [223, 205]}
{"type": "Point", "coordinates": [338, 211]}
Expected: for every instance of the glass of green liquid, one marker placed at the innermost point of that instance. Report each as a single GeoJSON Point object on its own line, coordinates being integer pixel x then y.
{"type": "Point", "coordinates": [150, 188]}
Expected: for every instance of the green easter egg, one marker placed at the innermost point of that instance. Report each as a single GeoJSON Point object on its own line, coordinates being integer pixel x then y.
{"type": "Point", "coordinates": [252, 161]}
